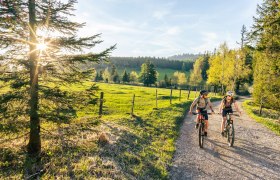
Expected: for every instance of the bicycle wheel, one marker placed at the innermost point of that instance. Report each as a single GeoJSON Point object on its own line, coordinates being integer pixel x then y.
{"type": "Point", "coordinates": [201, 135]}
{"type": "Point", "coordinates": [230, 135]}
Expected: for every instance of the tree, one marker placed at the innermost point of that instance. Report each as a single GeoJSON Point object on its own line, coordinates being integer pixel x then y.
{"type": "Point", "coordinates": [114, 74]}
{"type": "Point", "coordinates": [125, 77]}
{"type": "Point", "coordinates": [183, 67]}
{"type": "Point", "coordinates": [204, 66]}
{"type": "Point", "coordinates": [166, 81]}
{"type": "Point", "coordinates": [34, 38]}
{"type": "Point", "coordinates": [101, 75]}
{"type": "Point", "coordinates": [106, 75]}
{"type": "Point", "coordinates": [265, 36]}
{"type": "Point", "coordinates": [133, 76]}
{"type": "Point", "coordinates": [179, 78]}
{"type": "Point", "coordinates": [148, 74]}
{"type": "Point", "coordinates": [96, 77]}
{"type": "Point", "coordinates": [196, 73]}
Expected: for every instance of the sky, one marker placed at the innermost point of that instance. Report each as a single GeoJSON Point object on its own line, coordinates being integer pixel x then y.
{"type": "Point", "coordinates": [163, 28]}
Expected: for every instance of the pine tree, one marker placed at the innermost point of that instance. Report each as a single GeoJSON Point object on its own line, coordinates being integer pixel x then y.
{"type": "Point", "coordinates": [114, 74]}
{"type": "Point", "coordinates": [205, 66]}
{"type": "Point", "coordinates": [96, 78]}
{"type": "Point", "coordinates": [101, 75]}
{"type": "Point", "coordinates": [166, 80]}
{"type": "Point", "coordinates": [183, 67]}
{"type": "Point", "coordinates": [148, 74]}
{"type": "Point", "coordinates": [34, 37]}
{"type": "Point", "coordinates": [125, 77]}
{"type": "Point", "coordinates": [266, 36]}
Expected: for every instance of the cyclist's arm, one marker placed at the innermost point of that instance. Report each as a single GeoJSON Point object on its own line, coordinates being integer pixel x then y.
{"type": "Point", "coordinates": [236, 107]}
{"type": "Point", "coordinates": [211, 106]}
{"type": "Point", "coordinates": [221, 106]}
{"type": "Point", "coordinates": [193, 104]}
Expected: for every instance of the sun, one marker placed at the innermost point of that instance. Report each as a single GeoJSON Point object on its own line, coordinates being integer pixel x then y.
{"type": "Point", "coordinates": [42, 46]}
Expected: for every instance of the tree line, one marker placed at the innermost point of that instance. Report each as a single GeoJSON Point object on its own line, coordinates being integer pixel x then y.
{"type": "Point", "coordinates": [148, 76]}
{"type": "Point", "coordinates": [255, 66]}
{"type": "Point", "coordinates": [136, 62]}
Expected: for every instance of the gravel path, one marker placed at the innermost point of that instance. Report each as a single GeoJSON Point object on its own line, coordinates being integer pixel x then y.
{"type": "Point", "coordinates": [255, 155]}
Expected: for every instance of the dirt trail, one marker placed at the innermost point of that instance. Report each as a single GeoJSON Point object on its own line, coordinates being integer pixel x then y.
{"type": "Point", "coordinates": [255, 155]}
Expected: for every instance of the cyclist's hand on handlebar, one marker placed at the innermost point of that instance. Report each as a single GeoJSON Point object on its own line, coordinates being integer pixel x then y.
{"type": "Point", "coordinates": [239, 113]}
{"type": "Point", "coordinates": [190, 112]}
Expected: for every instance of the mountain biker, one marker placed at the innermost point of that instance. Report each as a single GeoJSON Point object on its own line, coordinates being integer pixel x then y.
{"type": "Point", "coordinates": [201, 103]}
{"type": "Point", "coordinates": [226, 107]}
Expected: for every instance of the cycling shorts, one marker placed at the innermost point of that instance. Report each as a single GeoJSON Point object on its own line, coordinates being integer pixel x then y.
{"type": "Point", "coordinates": [225, 111]}
{"type": "Point", "coordinates": [203, 111]}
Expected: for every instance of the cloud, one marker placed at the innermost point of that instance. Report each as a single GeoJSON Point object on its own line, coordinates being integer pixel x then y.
{"type": "Point", "coordinates": [173, 31]}
{"type": "Point", "coordinates": [160, 14]}
{"type": "Point", "coordinates": [208, 41]}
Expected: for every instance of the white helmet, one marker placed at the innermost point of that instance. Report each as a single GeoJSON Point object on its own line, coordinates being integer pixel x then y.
{"type": "Point", "coordinates": [229, 93]}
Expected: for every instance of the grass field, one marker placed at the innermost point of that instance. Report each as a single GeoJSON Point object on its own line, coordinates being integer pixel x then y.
{"type": "Point", "coordinates": [116, 146]}
{"type": "Point", "coordinates": [269, 118]}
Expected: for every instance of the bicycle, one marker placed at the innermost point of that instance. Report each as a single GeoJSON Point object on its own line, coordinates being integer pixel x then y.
{"type": "Point", "coordinates": [229, 129]}
{"type": "Point", "coordinates": [201, 127]}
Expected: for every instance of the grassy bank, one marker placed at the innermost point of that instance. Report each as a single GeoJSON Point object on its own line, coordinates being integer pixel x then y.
{"type": "Point", "coordinates": [268, 118]}
{"type": "Point", "coordinates": [116, 146]}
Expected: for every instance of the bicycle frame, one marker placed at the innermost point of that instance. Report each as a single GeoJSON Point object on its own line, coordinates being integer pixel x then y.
{"type": "Point", "coordinates": [229, 129]}
{"type": "Point", "coordinates": [201, 130]}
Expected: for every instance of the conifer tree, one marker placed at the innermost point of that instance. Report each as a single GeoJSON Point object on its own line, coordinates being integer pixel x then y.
{"type": "Point", "coordinates": [41, 46]}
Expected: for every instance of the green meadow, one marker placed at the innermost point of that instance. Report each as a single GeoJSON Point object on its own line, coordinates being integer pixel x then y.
{"type": "Point", "coordinates": [269, 117]}
{"type": "Point", "coordinates": [115, 146]}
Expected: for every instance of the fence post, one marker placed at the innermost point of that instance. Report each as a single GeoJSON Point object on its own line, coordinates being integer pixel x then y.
{"type": "Point", "coordinates": [101, 104]}
{"type": "Point", "coordinates": [189, 92]}
{"type": "Point", "coordinates": [132, 107]}
{"type": "Point", "coordinates": [171, 96]}
{"type": "Point", "coordinates": [180, 94]}
{"type": "Point", "coordinates": [156, 99]}
{"type": "Point", "coordinates": [195, 92]}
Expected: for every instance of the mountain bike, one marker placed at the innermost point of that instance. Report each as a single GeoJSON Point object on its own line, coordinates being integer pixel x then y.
{"type": "Point", "coordinates": [229, 129]}
{"type": "Point", "coordinates": [201, 127]}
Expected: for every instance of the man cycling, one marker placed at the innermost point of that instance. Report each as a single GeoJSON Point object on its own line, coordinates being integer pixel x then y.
{"type": "Point", "coordinates": [201, 104]}
{"type": "Point", "coordinates": [226, 107]}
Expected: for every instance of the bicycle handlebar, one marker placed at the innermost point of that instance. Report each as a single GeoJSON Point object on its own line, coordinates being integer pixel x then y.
{"type": "Point", "coordinates": [195, 113]}
{"type": "Point", "coordinates": [231, 114]}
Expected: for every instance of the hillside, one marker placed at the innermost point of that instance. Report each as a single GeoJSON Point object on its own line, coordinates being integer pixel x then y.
{"type": "Point", "coordinates": [185, 57]}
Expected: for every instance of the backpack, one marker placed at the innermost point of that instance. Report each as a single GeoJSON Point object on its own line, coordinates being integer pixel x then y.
{"type": "Point", "coordinates": [199, 99]}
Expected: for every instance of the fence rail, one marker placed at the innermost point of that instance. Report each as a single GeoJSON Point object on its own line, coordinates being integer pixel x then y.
{"type": "Point", "coordinates": [137, 102]}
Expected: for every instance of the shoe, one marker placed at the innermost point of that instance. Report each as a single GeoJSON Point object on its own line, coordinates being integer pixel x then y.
{"type": "Point", "coordinates": [205, 133]}
{"type": "Point", "coordinates": [196, 126]}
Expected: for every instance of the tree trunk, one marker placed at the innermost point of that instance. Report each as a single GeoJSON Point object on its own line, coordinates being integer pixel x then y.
{"type": "Point", "coordinates": [34, 144]}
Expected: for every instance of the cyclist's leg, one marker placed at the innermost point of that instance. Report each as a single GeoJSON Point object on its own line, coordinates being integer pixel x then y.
{"type": "Point", "coordinates": [197, 121]}
{"type": "Point", "coordinates": [206, 121]}
{"type": "Point", "coordinates": [206, 125]}
{"type": "Point", "coordinates": [230, 111]}
{"type": "Point", "coordinates": [223, 120]}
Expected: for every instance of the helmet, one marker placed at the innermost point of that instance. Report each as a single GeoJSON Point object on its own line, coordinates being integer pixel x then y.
{"type": "Point", "coordinates": [203, 92]}
{"type": "Point", "coordinates": [229, 93]}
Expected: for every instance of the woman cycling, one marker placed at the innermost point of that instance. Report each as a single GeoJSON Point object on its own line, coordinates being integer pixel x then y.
{"type": "Point", "coordinates": [226, 107]}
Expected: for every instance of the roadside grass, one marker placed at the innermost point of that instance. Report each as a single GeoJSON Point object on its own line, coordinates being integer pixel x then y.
{"type": "Point", "coordinates": [270, 118]}
{"type": "Point", "coordinates": [115, 146]}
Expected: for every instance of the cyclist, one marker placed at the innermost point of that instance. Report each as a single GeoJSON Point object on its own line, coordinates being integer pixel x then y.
{"type": "Point", "coordinates": [201, 103]}
{"type": "Point", "coordinates": [226, 107]}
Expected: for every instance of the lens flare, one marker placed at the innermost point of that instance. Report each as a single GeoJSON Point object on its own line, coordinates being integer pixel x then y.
{"type": "Point", "coordinates": [42, 46]}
